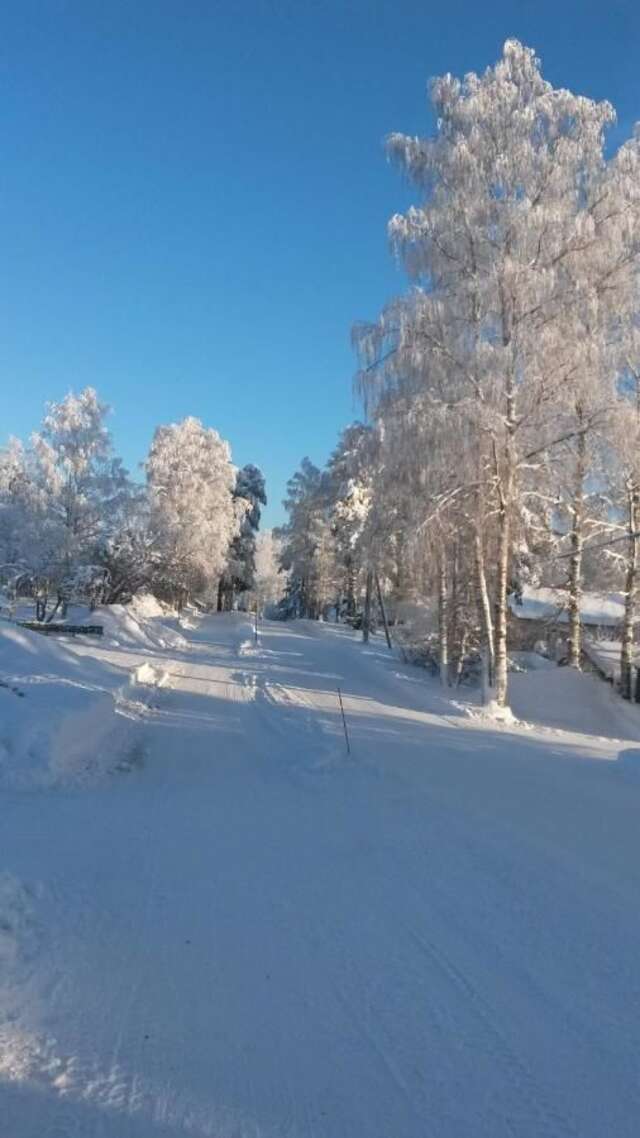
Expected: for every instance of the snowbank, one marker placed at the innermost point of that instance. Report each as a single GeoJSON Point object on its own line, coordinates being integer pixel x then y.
{"type": "Point", "coordinates": [605, 654]}
{"type": "Point", "coordinates": [544, 695]}
{"type": "Point", "coordinates": [25, 653]}
{"type": "Point", "coordinates": [65, 715]}
{"type": "Point", "coordinates": [566, 699]}
{"type": "Point", "coordinates": [59, 720]}
{"type": "Point", "coordinates": [143, 623]}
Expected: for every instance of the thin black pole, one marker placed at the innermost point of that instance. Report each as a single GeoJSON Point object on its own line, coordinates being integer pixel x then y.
{"type": "Point", "coordinates": [344, 722]}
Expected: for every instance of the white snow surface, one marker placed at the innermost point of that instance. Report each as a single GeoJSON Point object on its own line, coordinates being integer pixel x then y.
{"type": "Point", "coordinates": [59, 721]}
{"type": "Point", "coordinates": [66, 717]}
{"type": "Point", "coordinates": [251, 933]}
{"type": "Point", "coordinates": [143, 623]}
{"type": "Point", "coordinates": [605, 654]}
{"type": "Point", "coordinates": [539, 603]}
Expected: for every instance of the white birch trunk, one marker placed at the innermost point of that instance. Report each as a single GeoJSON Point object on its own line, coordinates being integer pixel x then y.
{"type": "Point", "coordinates": [443, 621]}
{"type": "Point", "coordinates": [631, 582]}
{"type": "Point", "coordinates": [505, 480]}
{"type": "Point", "coordinates": [486, 622]}
{"type": "Point", "coordinates": [577, 545]}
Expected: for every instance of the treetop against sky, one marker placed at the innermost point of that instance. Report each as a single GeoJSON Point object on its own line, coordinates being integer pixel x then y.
{"type": "Point", "coordinates": [195, 197]}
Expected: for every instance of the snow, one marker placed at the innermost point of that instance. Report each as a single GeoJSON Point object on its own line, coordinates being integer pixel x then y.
{"type": "Point", "coordinates": [65, 718]}
{"type": "Point", "coordinates": [551, 605]}
{"type": "Point", "coordinates": [254, 933]}
{"type": "Point", "coordinates": [565, 699]}
{"type": "Point", "coordinates": [606, 654]}
{"type": "Point", "coordinates": [143, 623]}
{"type": "Point", "coordinates": [20, 649]}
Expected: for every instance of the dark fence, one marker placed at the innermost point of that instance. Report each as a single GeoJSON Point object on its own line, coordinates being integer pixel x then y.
{"type": "Point", "coordinates": [62, 629]}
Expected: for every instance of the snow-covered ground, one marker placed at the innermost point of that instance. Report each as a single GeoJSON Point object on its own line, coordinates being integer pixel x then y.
{"type": "Point", "coordinates": [66, 716]}
{"type": "Point", "coordinates": [605, 654]}
{"type": "Point", "coordinates": [248, 932]}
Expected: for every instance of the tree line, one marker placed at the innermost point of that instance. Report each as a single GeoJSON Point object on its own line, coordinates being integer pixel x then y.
{"type": "Point", "coordinates": [501, 390]}
{"type": "Point", "coordinates": [75, 525]}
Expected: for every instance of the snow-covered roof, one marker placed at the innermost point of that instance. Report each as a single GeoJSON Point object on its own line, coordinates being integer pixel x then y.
{"type": "Point", "coordinates": [551, 605]}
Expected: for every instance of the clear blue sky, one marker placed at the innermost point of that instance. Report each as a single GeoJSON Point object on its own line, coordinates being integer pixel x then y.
{"type": "Point", "coordinates": [194, 196]}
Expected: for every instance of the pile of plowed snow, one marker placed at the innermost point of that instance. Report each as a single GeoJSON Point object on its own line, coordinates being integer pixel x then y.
{"type": "Point", "coordinates": [58, 717]}
{"type": "Point", "coordinates": [143, 623]}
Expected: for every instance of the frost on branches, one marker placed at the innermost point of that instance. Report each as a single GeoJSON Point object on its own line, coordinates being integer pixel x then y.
{"type": "Point", "coordinates": [323, 545]}
{"type": "Point", "coordinates": [501, 389]}
{"type": "Point", "coordinates": [193, 517]}
{"type": "Point", "coordinates": [62, 499]}
{"type": "Point", "coordinates": [73, 526]}
{"type": "Point", "coordinates": [269, 580]}
{"type": "Point", "coordinates": [238, 580]}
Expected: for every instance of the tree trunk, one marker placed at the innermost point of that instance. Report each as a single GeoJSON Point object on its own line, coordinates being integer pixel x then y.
{"type": "Point", "coordinates": [460, 661]}
{"type": "Point", "coordinates": [55, 608]}
{"type": "Point", "coordinates": [383, 612]}
{"type": "Point", "coordinates": [501, 659]}
{"type": "Point", "coordinates": [505, 484]}
{"type": "Point", "coordinates": [351, 589]}
{"type": "Point", "coordinates": [366, 621]}
{"type": "Point", "coordinates": [400, 582]}
{"type": "Point", "coordinates": [577, 543]}
{"type": "Point", "coordinates": [628, 627]}
{"type": "Point", "coordinates": [454, 609]}
{"type": "Point", "coordinates": [484, 610]}
{"type": "Point", "coordinates": [443, 621]}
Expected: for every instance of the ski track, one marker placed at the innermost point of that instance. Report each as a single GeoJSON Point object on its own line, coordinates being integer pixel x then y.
{"type": "Point", "coordinates": [255, 935]}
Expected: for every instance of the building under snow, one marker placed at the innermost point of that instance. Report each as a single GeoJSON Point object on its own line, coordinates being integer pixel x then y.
{"type": "Point", "coordinates": [542, 614]}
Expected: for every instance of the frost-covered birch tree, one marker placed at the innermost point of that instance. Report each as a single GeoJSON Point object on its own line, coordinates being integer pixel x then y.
{"type": "Point", "coordinates": [193, 515]}
{"type": "Point", "coordinates": [625, 452]}
{"type": "Point", "coordinates": [509, 237]}
{"type": "Point", "coordinates": [83, 483]}
{"type": "Point", "coordinates": [269, 581]}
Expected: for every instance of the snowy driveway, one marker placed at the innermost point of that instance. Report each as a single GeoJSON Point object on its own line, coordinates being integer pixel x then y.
{"type": "Point", "coordinates": [254, 935]}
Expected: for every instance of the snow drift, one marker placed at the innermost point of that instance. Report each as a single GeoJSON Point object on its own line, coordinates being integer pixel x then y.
{"type": "Point", "coordinates": [143, 623]}
{"type": "Point", "coordinates": [59, 720]}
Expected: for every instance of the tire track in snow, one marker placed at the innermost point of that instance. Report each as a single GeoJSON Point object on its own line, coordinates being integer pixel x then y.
{"type": "Point", "coordinates": [548, 1121]}
{"type": "Point", "coordinates": [78, 1077]}
{"type": "Point", "coordinates": [296, 718]}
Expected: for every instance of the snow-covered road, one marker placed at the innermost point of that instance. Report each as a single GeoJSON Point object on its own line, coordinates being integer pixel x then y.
{"type": "Point", "coordinates": [255, 935]}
